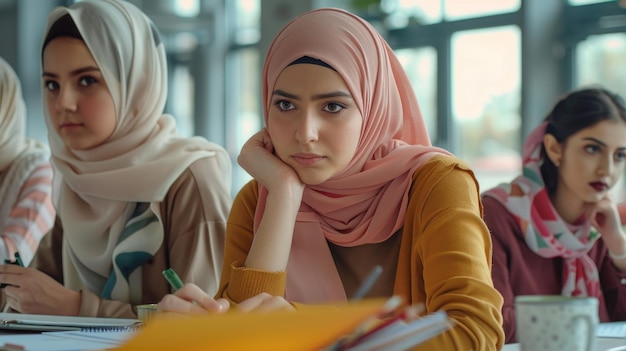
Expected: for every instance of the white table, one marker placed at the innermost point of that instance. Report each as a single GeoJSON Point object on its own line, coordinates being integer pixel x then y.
{"type": "Point", "coordinates": [602, 344]}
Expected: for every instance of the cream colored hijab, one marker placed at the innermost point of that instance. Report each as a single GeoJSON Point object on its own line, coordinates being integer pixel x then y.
{"type": "Point", "coordinates": [366, 203]}
{"type": "Point", "coordinates": [13, 141]}
{"type": "Point", "coordinates": [143, 156]}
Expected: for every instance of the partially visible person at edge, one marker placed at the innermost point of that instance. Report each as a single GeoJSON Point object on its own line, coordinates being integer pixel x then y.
{"type": "Point", "coordinates": [555, 229]}
{"type": "Point", "coordinates": [345, 179]}
{"type": "Point", "coordinates": [134, 197]}
{"type": "Point", "coordinates": [26, 210]}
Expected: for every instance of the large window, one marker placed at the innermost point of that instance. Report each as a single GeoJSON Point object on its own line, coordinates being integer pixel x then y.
{"type": "Point", "coordinates": [467, 75]}
{"type": "Point", "coordinates": [485, 101]}
{"type": "Point", "coordinates": [459, 9]}
{"type": "Point", "coordinates": [181, 100]}
{"type": "Point", "coordinates": [401, 12]}
{"type": "Point", "coordinates": [586, 2]}
{"type": "Point", "coordinates": [468, 64]}
{"type": "Point", "coordinates": [244, 107]}
{"type": "Point", "coordinates": [601, 59]}
{"type": "Point", "coordinates": [243, 87]}
{"type": "Point", "coordinates": [420, 65]}
{"type": "Point", "coordinates": [485, 72]}
{"type": "Point", "coordinates": [595, 31]}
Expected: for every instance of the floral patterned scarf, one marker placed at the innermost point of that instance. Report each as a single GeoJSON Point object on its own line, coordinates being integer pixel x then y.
{"type": "Point", "coordinates": [546, 234]}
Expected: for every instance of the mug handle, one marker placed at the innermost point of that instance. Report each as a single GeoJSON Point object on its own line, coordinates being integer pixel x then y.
{"type": "Point", "coordinates": [591, 337]}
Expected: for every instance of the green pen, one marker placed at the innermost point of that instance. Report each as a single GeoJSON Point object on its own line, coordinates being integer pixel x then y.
{"type": "Point", "coordinates": [173, 279]}
{"type": "Point", "coordinates": [19, 259]}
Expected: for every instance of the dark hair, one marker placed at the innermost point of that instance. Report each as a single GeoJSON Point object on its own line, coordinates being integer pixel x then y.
{"type": "Point", "coordinates": [311, 60]}
{"type": "Point", "coordinates": [63, 27]}
{"type": "Point", "coordinates": [576, 111]}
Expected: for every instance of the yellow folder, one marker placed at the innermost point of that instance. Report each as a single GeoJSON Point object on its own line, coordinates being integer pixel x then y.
{"type": "Point", "coordinates": [309, 328]}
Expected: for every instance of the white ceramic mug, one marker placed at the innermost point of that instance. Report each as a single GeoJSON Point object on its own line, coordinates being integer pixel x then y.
{"type": "Point", "coordinates": [555, 323]}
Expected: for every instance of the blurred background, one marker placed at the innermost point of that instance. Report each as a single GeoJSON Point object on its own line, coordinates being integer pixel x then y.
{"type": "Point", "coordinates": [485, 71]}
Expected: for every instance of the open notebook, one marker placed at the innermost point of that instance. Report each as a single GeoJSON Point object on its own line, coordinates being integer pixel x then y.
{"type": "Point", "coordinates": [80, 340]}
{"type": "Point", "coordinates": [611, 330]}
{"type": "Point", "coordinates": [44, 323]}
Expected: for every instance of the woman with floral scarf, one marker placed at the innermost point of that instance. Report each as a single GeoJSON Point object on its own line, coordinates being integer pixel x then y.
{"type": "Point", "coordinates": [555, 228]}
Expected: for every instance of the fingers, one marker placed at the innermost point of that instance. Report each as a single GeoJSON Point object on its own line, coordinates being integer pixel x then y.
{"type": "Point", "coordinates": [262, 139]}
{"type": "Point", "coordinates": [267, 141]}
{"type": "Point", "coordinates": [224, 305]}
{"type": "Point", "coordinates": [11, 274]}
{"type": "Point", "coordinates": [252, 303]}
{"type": "Point", "coordinates": [264, 302]}
{"type": "Point", "coordinates": [12, 269]}
{"type": "Point", "coordinates": [191, 299]}
{"type": "Point", "coordinates": [193, 293]}
{"type": "Point", "coordinates": [12, 291]}
{"type": "Point", "coordinates": [604, 216]}
{"type": "Point", "coordinates": [12, 303]}
{"type": "Point", "coordinates": [621, 210]}
{"type": "Point", "coordinates": [258, 144]}
{"type": "Point", "coordinates": [173, 303]}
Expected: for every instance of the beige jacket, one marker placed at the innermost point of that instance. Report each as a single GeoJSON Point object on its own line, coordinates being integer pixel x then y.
{"type": "Point", "coordinates": [194, 214]}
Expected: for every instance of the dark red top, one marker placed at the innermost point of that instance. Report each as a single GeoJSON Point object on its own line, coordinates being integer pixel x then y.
{"type": "Point", "coordinates": [517, 270]}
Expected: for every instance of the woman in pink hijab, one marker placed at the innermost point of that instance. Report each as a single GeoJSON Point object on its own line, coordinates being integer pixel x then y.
{"type": "Point", "coordinates": [345, 179]}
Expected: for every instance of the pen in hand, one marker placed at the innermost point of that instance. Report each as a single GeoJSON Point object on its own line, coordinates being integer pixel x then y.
{"type": "Point", "coordinates": [173, 279]}
{"type": "Point", "coordinates": [18, 261]}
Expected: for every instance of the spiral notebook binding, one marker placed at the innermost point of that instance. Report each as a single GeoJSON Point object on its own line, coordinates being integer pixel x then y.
{"type": "Point", "coordinates": [48, 323]}
{"type": "Point", "coordinates": [121, 329]}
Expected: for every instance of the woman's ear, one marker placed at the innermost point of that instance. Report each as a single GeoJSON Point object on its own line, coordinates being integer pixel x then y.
{"type": "Point", "coordinates": [553, 148]}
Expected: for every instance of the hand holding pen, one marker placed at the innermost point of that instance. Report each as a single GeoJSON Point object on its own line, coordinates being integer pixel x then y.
{"type": "Point", "coordinates": [32, 291]}
{"type": "Point", "coordinates": [189, 298]}
{"type": "Point", "coordinates": [18, 261]}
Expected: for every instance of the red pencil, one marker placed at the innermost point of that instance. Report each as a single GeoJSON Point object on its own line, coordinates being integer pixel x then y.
{"type": "Point", "coordinates": [409, 313]}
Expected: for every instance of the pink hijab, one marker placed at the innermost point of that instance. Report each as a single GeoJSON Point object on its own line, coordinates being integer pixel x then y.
{"type": "Point", "coordinates": [367, 201]}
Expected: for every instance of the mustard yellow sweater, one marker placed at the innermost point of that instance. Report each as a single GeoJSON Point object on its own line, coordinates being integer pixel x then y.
{"type": "Point", "coordinates": [444, 257]}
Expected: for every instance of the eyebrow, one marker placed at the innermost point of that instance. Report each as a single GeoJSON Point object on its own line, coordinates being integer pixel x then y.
{"type": "Point", "coordinates": [74, 72]}
{"type": "Point", "coordinates": [315, 97]}
{"type": "Point", "coordinates": [595, 141]}
{"type": "Point", "coordinates": [602, 143]}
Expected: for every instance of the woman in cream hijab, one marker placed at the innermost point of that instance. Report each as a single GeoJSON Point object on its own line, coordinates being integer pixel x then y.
{"type": "Point", "coordinates": [345, 179]}
{"type": "Point", "coordinates": [134, 198]}
{"type": "Point", "coordinates": [26, 210]}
